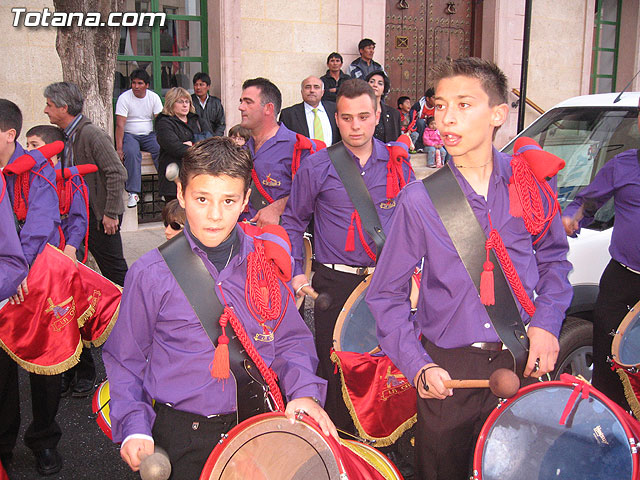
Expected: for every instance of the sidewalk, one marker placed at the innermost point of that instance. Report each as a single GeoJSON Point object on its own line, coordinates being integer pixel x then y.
{"type": "Point", "coordinates": [138, 242]}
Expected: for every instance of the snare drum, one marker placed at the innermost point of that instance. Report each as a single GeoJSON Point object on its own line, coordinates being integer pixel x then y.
{"type": "Point", "coordinates": [558, 430]}
{"type": "Point", "coordinates": [625, 353]}
{"type": "Point", "coordinates": [100, 406]}
{"type": "Point", "coordinates": [270, 447]}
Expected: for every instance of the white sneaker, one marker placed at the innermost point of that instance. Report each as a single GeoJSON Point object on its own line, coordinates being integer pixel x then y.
{"type": "Point", "coordinates": [133, 200]}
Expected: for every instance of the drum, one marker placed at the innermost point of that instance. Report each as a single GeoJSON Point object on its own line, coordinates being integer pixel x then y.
{"type": "Point", "coordinates": [100, 406]}
{"type": "Point", "coordinates": [270, 447]}
{"type": "Point", "coordinates": [308, 258]}
{"type": "Point", "coordinates": [625, 354]}
{"type": "Point", "coordinates": [558, 430]}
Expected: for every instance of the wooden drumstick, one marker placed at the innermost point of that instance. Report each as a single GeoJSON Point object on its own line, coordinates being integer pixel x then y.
{"type": "Point", "coordinates": [503, 383]}
{"type": "Point", "coordinates": [155, 466]}
{"type": "Point", "coordinates": [172, 172]}
{"type": "Point", "coordinates": [323, 300]}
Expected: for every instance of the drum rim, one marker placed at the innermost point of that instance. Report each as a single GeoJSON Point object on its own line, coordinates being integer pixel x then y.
{"type": "Point", "coordinates": [224, 443]}
{"type": "Point", "coordinates": [346, 308]}
{"type": "Point", "coordinates": [103, 420]}
{"type": "Point", "coordinates": [378, 454]}
{"type": "Point", "coordinates": [628, 320]}
{"type": "Point", "coordinates": [502, 406]}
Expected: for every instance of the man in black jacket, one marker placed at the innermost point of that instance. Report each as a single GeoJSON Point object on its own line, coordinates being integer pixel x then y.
{"type": "Point", "coordinates": [208, 107]}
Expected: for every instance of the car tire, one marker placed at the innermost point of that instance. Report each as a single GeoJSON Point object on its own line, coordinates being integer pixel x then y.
{"type": "Point", "coordinates": [576, 349]}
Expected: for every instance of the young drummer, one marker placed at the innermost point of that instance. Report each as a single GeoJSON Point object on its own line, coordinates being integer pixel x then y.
{"type": "Point", "coordinates": [458, 340]}
{"type": "Point", "coordinates": [72, 191]}
{"type": "Point", "coordinates": [158, 348]}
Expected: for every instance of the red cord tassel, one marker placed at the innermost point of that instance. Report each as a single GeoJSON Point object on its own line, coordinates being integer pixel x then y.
{"type": "Point", "coordinates": [487, 291]}
{"type": "Point", "coordinates": [350, 243]}
{"type": "Point", "coordinates": [515, 206]}
{"type": "Point", "coordinates": [220, 365]}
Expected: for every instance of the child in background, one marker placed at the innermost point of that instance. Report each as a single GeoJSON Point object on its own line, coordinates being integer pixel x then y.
{"type": "Point", "coordinates": [174, 218]}
{"type": "Point", "coordinates": [433, 144]}
{"type": "Point", "coordinates": [239, 134]}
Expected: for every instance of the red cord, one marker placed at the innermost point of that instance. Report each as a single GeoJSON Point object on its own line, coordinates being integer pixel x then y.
{"type": "Point", "coordinates": [263, 192]}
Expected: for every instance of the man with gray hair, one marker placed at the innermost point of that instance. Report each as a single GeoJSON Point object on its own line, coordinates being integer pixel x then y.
{"type": "Point", "coordinates": [87, 143]}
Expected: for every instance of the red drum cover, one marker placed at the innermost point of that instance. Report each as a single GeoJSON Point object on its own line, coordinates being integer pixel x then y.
{"type": "Point", "coordinates": [41, 334]}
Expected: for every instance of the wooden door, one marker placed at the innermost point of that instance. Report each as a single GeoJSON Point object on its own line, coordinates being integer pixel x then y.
{"type": "Point", "coordinates": [419, 34]}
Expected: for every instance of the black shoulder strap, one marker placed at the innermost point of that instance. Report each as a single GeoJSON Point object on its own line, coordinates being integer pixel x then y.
{"type": "Point", "coordinates": [200, 289]}
{"type": "Point", "coordinates": [357, 190]}
{"type": "Point", "coordinates": [469, 239]}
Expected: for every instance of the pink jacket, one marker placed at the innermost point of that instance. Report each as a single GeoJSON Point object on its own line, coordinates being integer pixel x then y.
{"type": "Point", "coordinates": [431, 138]}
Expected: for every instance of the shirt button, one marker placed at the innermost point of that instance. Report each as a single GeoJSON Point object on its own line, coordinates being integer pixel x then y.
{"type": "Point", "coordinates": [487, 325]}
{"type": "Point", "coordinates": [362, 174]}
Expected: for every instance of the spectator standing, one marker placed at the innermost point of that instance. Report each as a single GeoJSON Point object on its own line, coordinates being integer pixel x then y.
{"type": "Point", "coordinates": [312, 117]}
{"type": "Point", "coordinates": [176, 130]}
{"type": "Point", "coordinates": [365, 64]}
{"type": "Point", "coordinates": [388, 127]}
{"type": "Point", "coordinates": [333, 78]}
{"type": "Point", "coordinates": [135, 111]}
{"type": "Point", "coordinates": [208, 107]}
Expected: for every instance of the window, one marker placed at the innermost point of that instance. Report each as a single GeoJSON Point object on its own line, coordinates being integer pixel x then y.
{"type": "Point", "coordinates": [605, 46]}
{"type": "Point", "coordinates": [171, 54]}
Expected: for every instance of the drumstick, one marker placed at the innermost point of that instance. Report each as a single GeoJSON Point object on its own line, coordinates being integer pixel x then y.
{"type": "Point", "coordinates": [172, 172]}
{"type": "Point", "coordinates": [503, 383]}
{"type": "Point", "coordinates": [155, 466]}
{"type": "Point", "coordinates": [323, 300]}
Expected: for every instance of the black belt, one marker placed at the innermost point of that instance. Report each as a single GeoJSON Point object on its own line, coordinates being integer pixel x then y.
{"type": "Point", "coordinates": [194, 418]}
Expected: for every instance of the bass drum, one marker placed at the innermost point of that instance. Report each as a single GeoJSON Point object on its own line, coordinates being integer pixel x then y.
{"type": "Point", "coordinates": [558, 430]}
{"type": "Point", "coordinates": [100, 407]}
{"type": "Point", "coordinates": [625, 353]}
{"type": "Point", "coordinates": [270, 447]}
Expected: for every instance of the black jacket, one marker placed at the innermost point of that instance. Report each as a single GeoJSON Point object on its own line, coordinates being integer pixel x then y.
{"type": "Point", "coordinates": [212, 116]}
{"type": "Point", "coordinates": [294, 119]}
{"type": "Point", "coordinates": [390, 124]}
{"type": "Point", "coordinates": [170, 133]}
{"type": "Point", "coordinates": [330, 82]}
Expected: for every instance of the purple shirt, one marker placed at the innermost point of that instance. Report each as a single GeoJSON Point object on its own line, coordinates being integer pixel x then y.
{"type": "Point", "coordinates": [158, 348]}
{"type": "Point", "coordinates": [317, 190]}
{"type": "Point", "coordinates": [43, 216]}
{"type": "Point", "coordinates": [449, 312]}
{"type": "Point", "coordinates": [272, 164]}
{"type": "Point", "coordinates": [74, 225]}
{"type": "Point", "coordinates": [13, 266]}
{"type": "Point", "coordinates": [618, 178]}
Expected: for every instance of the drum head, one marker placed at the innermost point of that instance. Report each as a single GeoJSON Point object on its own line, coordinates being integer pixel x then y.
{"type": "Point", "coordinates": [527, 442]}
{"type": "Point", "coordinates": [355, 329]}
{"type": "Point", "coordinates": [267, 447]}
{"type": "Point", "coordinates": [626, 343]}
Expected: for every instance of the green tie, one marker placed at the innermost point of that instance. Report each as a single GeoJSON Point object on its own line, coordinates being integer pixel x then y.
{"type": "Point", "coordinates": [317, 126]}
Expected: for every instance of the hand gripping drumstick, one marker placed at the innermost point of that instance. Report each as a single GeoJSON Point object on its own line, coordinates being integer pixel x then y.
{"type": "Point", "coordinates": [323, 300]}
{"type": "Point", "coordinates": [503, 383]}
{"type": "Point", "coordinates": [155, 466]}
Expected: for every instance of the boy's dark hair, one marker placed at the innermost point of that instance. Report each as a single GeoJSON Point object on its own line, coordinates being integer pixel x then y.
{"type": "Point", "coordinates": [203, 77]}
{"type": "Point", "coordinates": [216, 156]}
{"type": "Point", "coordinates": [493, 80]}
{"type": "Point", "coordinates": [240, 131]}
{"type": "Point", "coordinates": [355, 87]}
{"type": "Point", "coordinates": [140, 74]}
{"type": "Point", "coordinates": [430, 92]}
{"type": "Point", "coordinates": [335, 55]}
{"type": "Point", "coordinates": [269, 93]}
{"type": "Point", "coordinates": [365, 42]}
{"type": "Point", "coordinates": [402, 99]}
{"type": "Point", "coordinates": [10, 116]}
{"type": "Point", "coordinates": [48, 133]}
{"type": "Point", "coordinates": [173, 212]}
{"type": "Point", "coordinates": [428, 120]}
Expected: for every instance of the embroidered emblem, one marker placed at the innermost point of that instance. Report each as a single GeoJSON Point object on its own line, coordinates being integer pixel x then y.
{"type": "Point", "coordinates": [396, 384]}
{"type": "Point", "coordinates": [64, 313]}
{"type": "Point", "coordinates": [264, 337]}
{"type": "Point", "coordinates": [388, 204]}
{"type": "Point", "coordinates": [271, 182]}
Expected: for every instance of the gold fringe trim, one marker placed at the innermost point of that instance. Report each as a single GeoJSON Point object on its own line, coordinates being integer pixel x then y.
{"type": "Point", "coordinates": [88, 313]}
{"type": "Point", "coordinates": [61, 367]}
{"type": "Point", "coordinates": [107, 331]}
{"type": "Point", "coordinates": [377, 441]}
{"type": "Point", "coordinates": [629, 393]}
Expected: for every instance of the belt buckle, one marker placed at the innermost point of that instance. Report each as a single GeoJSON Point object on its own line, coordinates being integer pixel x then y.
{"type": "Point", "coordinates": [362, 270]}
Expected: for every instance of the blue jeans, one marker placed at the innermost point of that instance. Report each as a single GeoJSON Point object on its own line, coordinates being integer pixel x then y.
{"type": "Point", "coordinates": [131, 146]}
{"type": "Point", "coordinates": [431, 155]}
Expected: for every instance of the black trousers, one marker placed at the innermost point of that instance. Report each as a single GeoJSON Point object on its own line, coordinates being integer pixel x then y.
{"type": "Point", "coordinates": [338, 285]}
{"type": "Point", "coordinates": [44, 431]}
{"type": "Point", "coordinates": [447, 429]}
{"type": "Point", "coordinates": [107, 250]}
{"type": "Point", "coordinates": [188, 439]}
{"type": "Point", "coordinates": [619, 291]}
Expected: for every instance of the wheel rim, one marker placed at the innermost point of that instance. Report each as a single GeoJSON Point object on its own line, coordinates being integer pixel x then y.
{"type": "Point", "coordinates": [579, 362]}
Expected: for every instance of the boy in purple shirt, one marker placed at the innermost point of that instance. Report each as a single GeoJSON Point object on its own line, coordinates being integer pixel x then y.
{"type": "Point", "coordinates": [458, 340]}
{"type": "Point", "coordinates": [38, 222]}
{"type": "Point", "coordinates": [13, 266]}
{"type": "Point", "coordinates": [158, 348]}
{"type": "Point", "coordinates": [620, 282]}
